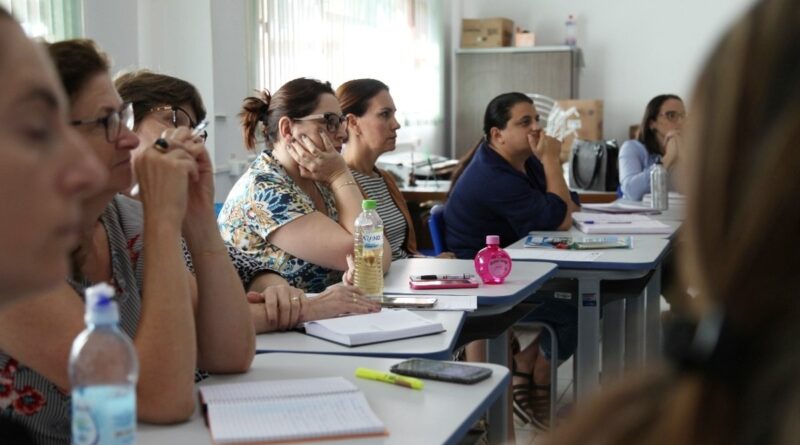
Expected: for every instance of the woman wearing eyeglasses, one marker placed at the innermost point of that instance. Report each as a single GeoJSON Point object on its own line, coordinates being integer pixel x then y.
{"type": "Point", "coordinates": [293, 211]}
{"type": "Point", "coordinates": [159, 102]}
{"type": "Point", "coordinates": [177, 323]}
{"type": "Point", "coordinates": [659, 137]}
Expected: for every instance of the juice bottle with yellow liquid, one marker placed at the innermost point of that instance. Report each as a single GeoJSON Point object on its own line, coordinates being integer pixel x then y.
{"type": "Point", "coordinates": [368, 251]}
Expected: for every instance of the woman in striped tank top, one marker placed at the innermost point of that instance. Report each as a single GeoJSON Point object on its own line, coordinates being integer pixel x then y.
{"type": "Point", "coordinates": [372, 130]}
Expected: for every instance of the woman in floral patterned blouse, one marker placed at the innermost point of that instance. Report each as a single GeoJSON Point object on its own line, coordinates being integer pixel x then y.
{"type": "Point", "coordinates": [294, 209]}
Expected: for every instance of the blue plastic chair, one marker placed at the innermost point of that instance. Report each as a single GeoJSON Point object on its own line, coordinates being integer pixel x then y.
{"type": "Point", "coordinates": [437, 228]}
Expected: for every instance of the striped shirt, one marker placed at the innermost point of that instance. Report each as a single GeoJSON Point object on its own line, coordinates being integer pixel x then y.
{"type": "Point", "coordinates": [395, 226]}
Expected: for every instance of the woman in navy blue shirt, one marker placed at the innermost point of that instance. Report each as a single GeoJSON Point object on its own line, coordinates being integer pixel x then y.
{"type": "Point", "coordinates": [509, 184]}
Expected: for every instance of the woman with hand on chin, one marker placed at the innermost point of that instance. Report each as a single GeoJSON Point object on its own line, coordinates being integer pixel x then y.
{"type": "Point", "coordinates": [291, 215]}
{"type": "Point", "coordinates": [135, 246]}
{"type": "Point", "coordinates": [372, 130]}
{"type": "Point", "coordinates": [659, 138]}
{"type": "Point", "coordinates": [510, 184]}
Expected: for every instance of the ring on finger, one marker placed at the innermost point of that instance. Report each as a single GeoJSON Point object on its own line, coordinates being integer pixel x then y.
{"type": "Point", "coordinates": [161, 145]}
{"type": "Point", "coordinates": [295, 299]}
{"type": "Point", "coordinates": [354, 297]}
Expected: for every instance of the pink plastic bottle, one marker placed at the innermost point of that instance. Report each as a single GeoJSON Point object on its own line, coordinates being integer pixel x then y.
{"type": "Point", "coordinates": [492, 263]}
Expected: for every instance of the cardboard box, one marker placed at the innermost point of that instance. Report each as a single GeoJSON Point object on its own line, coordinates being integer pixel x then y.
{"type": "Point", "coordinates": [524, 38]}
{"type": "Point", "coordinates": [486, 33]}
{"type": "Point", "coordinates": [589, 123]}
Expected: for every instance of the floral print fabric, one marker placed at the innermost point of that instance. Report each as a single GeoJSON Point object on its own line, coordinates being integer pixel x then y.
{"type": "Point", "coordinates": [264, 199]}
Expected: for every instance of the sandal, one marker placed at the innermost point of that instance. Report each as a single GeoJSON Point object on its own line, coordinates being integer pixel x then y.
{"type": "Point", "coordinates": [531, 402]}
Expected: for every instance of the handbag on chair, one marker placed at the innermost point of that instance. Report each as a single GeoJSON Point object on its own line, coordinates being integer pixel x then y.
{"type": "Point", "coordinates": [593, 165]}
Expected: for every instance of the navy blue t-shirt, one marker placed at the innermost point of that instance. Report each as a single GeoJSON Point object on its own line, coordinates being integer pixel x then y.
{"type": "Point", "coordinates": [492, 198]}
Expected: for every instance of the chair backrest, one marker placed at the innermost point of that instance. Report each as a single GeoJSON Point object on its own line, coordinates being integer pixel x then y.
{"type": "Point", "coordinates": [438, 229]}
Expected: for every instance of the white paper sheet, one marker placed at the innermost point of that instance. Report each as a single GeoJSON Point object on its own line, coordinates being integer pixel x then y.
{"type": "Point", "coordinates": [553, 255]}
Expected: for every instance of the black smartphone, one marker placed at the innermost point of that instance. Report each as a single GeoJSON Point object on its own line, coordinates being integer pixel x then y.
{"type": "Point", "coordinates": [444, 371]}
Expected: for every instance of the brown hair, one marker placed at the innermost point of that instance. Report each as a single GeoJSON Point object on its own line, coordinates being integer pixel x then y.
{"type": "Point", "coordinates": [497, 115]}
{"type": "Point", "coordinates": [147, 90]}
{"type": "Point", "coordinates": [742, 252]}
{"type": "Point", "coordinates": [77, 61]}
{"type": "Point", "coordinates": [4, 14]}
{"type": "Point", "coordinates": [354, 95]}
{"type": "Point", "coordinates": [295, 99]}
{"type": "Point", "coordinates": [646, 135]}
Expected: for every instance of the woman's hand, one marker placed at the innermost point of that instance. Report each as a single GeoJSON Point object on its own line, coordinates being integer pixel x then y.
{"type": "Point", "coordinates": [447, 255]}
{"type": "Point", "coordinates": [282, 305]}
{"type": "Point", "coordinates": [543, 146]}
{"type": "Point", "coordinates": [322, 164]}
{"type": "Point", "coordinates": [337, 300]}
{"type": "Point", "coordinates": [164, 175]}
{"type": "Point", "coordinates": [349, 275]}
{"type": "Point", "coordinates": [672, 148]}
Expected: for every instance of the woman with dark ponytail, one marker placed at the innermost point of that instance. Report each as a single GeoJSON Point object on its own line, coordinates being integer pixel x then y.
{"type": "Point", "coordinates": [293, 211]}
{"type": "Point", "coordinates": [509, 184]}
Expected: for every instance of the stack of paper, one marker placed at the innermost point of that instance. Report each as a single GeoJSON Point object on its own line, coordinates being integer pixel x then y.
{"type": "Point", "coordinates": [288, 410]}
{"type": "Point", "coordinates": [613, 223]}
{"type": "Point", "coordinates": [621, 206]}
{"type": "Point", "coordinates": [378, 327]}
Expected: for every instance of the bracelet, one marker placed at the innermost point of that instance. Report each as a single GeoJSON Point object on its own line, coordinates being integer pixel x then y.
{"type": "Point", "coordinates": [345, 185]}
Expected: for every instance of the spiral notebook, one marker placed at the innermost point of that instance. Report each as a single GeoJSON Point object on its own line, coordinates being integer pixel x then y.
{"type": "Point", "coordinates": [287, 410]}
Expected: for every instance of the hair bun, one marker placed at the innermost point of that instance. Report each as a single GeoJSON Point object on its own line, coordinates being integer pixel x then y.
{"type": "Point", "coordinates": [265, 98]}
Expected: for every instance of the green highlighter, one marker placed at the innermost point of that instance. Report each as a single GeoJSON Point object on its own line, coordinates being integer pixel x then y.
{"type": "Point", "coordinates": [387, 377]}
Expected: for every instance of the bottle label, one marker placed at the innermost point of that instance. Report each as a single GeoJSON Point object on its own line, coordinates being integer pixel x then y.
{"type": "Point", "coordinates": [104, 414]}
{"type": "Point", "coordinates": [499, 266]}
{"type": "Point", "coordinates": [373, 240]}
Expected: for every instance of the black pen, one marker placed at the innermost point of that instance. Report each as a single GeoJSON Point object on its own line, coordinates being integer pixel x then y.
{"type": "Point", "coordinates": [461, 276]}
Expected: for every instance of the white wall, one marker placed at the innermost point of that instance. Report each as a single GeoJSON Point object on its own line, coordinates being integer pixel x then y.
{"type": "Point", "coordinates": [201, 41]}
{"type": "Point", "coordinates": [633, 49]}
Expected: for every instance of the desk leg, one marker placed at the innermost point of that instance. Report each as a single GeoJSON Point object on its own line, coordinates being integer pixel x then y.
{"type": "Point", "coordinates": [652, 325]}
{"type": "Point", "coordinates": [634, 331]}
{"type": "Point", "coordinates": [499, 412]}
{"type": "Point", "coordinates": [613, 340]}
{"type": "Point", "coordinates": [587, 356]}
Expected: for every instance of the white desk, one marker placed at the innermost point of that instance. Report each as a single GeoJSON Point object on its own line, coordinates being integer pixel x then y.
{"type": "Point", "coordinates": [523, 281]}
{"type": "Point", "coordinates": [437, 346]}
{"type": "Point", "coordinates": [440, 413]}
{"type": "Point", "coordinates": [643, 336]}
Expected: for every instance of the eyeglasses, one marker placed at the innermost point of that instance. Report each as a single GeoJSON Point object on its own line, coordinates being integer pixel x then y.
{"type": "Point", "coordinates": [333, 121]}
{"type": "Point", "coordinates": [180, 118]}
{"type": "Point", "coordinates": [673, 116]}
{"type": "Point", "coordinates": [114, 122]}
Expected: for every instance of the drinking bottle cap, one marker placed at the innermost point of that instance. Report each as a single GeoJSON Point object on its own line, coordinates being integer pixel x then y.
{"type": "Point", "coordinates": [368, 204]}
{"type": "Point", "coordinates": [492, 239]}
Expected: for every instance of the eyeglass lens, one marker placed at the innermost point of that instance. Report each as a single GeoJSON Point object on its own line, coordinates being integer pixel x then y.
{"type": "Point", "coordinates": [116, 120]}
{"type": "Point", "coordinates": [333, 122]}
{"type": "Point", "coordinates": [180, 118]}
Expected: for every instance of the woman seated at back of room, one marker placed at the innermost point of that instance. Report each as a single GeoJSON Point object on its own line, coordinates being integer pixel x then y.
{"type": "Point", "coordinates": [509, 184]}
{"type": "Point", "coordinates": [42, 161]}
{"type": "Point", "coordinates": [177, 322]}
{"type": "Point", "coordinates": [659, 138]}
{"type": "Point", "coordinates": [372, 130]}
{"type": "Point", "coordinates": [293, 211]}
{"type": "Point", "coordinates": [161, 102]}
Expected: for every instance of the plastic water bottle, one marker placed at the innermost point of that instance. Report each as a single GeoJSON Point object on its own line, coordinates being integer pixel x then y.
{"type": "Point", "coordinates": [658, 187]}
{"type": "Point", "coordinates": [571, 38]}
{"type": "Point", "coordinates": [369, 251]}
{"type": "Point", "coordinates": [492, 263]}
{"type": "Point", "coordinates": [103, 369]}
